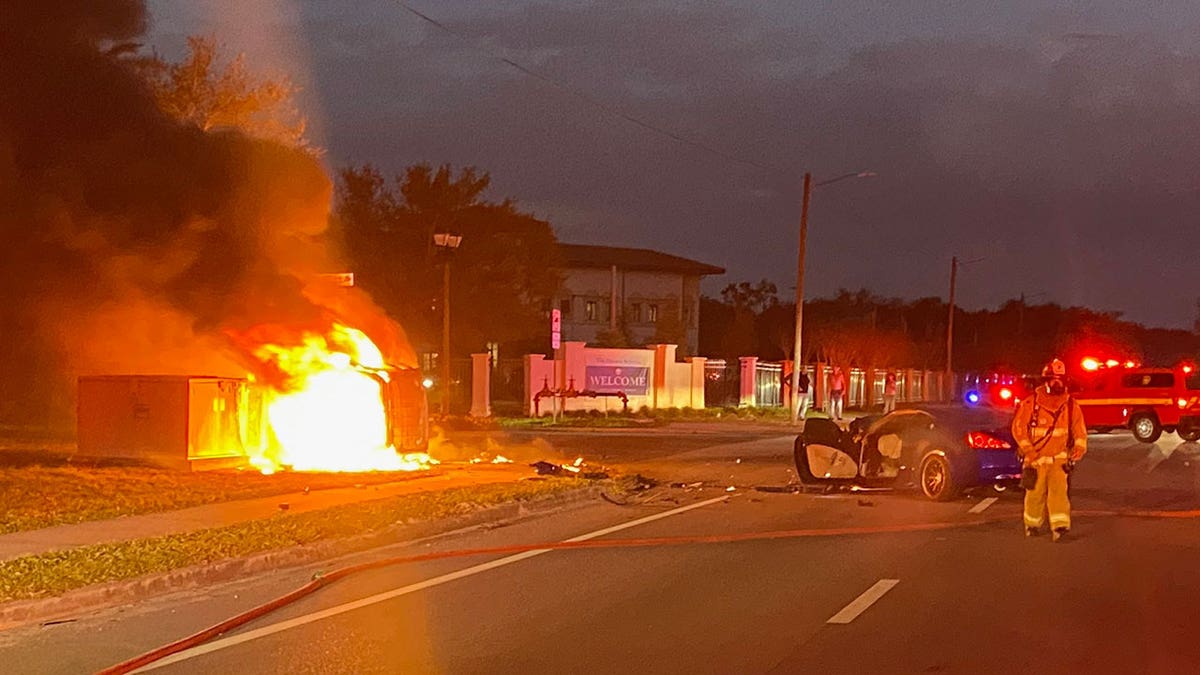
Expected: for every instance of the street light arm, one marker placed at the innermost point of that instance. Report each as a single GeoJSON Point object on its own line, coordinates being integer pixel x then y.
{"type": "Point", "coordinates": [856, 174]}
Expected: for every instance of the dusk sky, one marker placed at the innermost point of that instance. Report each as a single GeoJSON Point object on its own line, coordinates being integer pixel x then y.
{"type": "Point", "coordinates": [1058, 141]}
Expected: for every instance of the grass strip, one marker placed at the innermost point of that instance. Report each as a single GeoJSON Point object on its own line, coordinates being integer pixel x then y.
{"type": "Point", "coordinates": [55, 573]}
{"type": "Point", "coordinates": [33, 497]}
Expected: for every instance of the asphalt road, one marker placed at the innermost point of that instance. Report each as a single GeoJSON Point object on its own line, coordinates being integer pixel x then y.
{"type": "Point", "coordinates": [971, 596]}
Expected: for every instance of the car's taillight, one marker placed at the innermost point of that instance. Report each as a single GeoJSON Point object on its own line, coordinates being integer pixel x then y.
{"type": "Point", "coordinates": [1005, 394]}
{"type": "Point", "coordinates": [978, 440]}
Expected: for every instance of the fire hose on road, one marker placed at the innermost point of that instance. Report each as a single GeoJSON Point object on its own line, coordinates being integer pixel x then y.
{"type": "Point", "coordinates": [324, 580]}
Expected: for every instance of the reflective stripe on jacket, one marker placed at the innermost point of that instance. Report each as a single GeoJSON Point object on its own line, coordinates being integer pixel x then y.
{"type": "Point", "coordinates": [1047, 436]}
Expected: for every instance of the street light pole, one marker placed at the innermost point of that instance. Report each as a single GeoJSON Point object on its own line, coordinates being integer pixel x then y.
{"type": "Point", "coordinates": [950, 324]}
{"type": "Point", "coordinates": [448, 243]}
{"type": "Point", "coordinates": [797, 347]}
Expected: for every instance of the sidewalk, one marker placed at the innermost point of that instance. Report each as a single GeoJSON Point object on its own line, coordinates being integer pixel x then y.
{"type": "Point", "coordinates": [223, 514]}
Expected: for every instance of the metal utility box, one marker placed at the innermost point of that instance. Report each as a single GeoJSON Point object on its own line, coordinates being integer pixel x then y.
{"type": "Point", "coordinates": [175, 421]}
{"type": "Point", "coordinates": [407, 410]}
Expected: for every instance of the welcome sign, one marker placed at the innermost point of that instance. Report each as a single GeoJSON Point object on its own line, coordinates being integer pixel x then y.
{"type": "Point", "coordinates": [633, 380]}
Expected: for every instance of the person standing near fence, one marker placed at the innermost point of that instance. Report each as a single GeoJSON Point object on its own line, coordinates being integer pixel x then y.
{"type": "Point", "coordinates": [889, 392]}
{"type": "Point", "coordinates": [802, 383]}
{"type": "Point", "coordinates": [837, 391]}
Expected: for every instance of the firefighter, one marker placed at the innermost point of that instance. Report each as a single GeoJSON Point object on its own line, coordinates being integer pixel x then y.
{"type": "Point", "coordinates": [1051, 436]}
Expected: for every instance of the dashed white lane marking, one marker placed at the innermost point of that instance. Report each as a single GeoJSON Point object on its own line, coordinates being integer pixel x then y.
{"type": "Point", "coordinates": [217, 645]}
{"type": "Point", "coordinates": [982, 506]}
{"type": "Point", "coordinates": [860, 604]}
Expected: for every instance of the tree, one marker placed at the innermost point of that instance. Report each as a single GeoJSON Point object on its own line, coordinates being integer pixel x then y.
{"type": "Point", "coordinates": [777, 331]}
{"type": "Point", "coordinates": [747, 302]}
{"type": "Point", "coordinates": [716, 317]}
{"type": "Point", "coordinates": [616, 338]}
{"type": "Point", "coordinates": [856, 344]}
{"type": "Point", "coordinates": [670, 329]}
{"type": "Point", "coordinates": [503, 275]}
{"type": "Point", "coordinates": [213, 93]}
{"type": "Point", "coordinates": [750, 297]}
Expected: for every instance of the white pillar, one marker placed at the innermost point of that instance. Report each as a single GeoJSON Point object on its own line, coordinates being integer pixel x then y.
{"type": "Point", "coordinates": [697, 381]}
{"type": "Point", "coordinates": [747, 381]}
{"type": "Point", "coordinates": [481, 385]}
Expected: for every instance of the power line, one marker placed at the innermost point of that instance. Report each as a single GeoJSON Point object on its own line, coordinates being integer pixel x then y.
{"type": "Point", "coordinates": [588, 98]}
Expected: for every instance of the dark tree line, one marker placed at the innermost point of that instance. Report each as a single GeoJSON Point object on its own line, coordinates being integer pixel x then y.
{"type": "Point", "coordinates": [862, 328]}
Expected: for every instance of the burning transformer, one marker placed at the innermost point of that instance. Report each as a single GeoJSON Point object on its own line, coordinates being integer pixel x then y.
{"type": "Point", "coordinates": [321, 403]}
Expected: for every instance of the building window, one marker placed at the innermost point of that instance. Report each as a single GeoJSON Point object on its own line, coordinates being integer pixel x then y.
{"type": "Point", "coordinates": [590, 310]}
{"type": "Point", "coordinates": [564, 306]}
{"type": "Point", "coordinates": [652, 313]}
{"type": "Point", "coordinates": [635, 312]}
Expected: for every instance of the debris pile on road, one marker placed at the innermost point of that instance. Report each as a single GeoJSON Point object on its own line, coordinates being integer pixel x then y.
{"type": "Point", "coordinates": [577, 468]}
{"type": "Point", "coordinates": [498, 459]}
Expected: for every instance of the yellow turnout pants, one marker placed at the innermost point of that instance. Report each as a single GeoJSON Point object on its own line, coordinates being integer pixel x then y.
{"type": "Point", "coordinates": [1050, 494]}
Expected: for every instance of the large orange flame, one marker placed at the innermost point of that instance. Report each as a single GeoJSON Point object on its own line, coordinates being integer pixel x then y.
{"type": "Point", "coordinates": [329, 414]}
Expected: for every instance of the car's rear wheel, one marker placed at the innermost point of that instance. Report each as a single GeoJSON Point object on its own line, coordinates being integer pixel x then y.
{"type": "Point", "coordinates": [1190, 434]}
{"type": "Point", "coordinates": [1145, 427]}
{"type": "Point", "coordinates": [937, 480]}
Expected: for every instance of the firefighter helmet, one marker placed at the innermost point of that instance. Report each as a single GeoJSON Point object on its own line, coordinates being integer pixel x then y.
{"type": "Point", "coordinates": [1055, 368]}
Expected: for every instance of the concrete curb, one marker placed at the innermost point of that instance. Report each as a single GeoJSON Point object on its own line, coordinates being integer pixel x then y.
{"type": "Point", "coordinates": [101, 596]}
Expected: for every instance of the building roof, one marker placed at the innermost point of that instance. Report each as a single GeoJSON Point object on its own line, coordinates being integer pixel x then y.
{"type": "Point", "coordinates": [640, 259]}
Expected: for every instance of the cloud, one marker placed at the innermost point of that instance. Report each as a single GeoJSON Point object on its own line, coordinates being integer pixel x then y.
{"type": "Point", "coordinates": [1071, 163]}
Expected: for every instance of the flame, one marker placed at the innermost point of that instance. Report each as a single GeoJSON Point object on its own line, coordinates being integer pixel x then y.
{"type": "Point", "coordinates": [329, 412]}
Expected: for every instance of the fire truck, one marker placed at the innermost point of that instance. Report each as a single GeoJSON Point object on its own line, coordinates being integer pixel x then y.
{"type": "Point", "coordinates": [1147, 401]}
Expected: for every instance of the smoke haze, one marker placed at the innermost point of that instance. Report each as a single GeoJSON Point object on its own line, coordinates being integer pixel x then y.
{"type": "Point", "coordinates": [130, 243]}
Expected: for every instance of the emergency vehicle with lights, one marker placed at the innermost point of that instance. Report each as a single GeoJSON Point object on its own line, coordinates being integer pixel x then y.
{"type": "Point", "coordinates": [1147, 401]}
{"type": "Point", "coordinates": [996, 390]}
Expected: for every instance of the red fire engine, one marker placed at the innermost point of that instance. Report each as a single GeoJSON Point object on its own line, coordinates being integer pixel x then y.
{"type": "Point", "coordinates": [1147, 401]}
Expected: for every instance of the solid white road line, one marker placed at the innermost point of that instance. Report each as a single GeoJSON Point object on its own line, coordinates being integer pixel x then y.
{"type": "Point", "coordinates": [851, 611]}
{"type": "Point", "coordinates": [224, 643]}
{"type": "Point", "coordinates": [982, 506]}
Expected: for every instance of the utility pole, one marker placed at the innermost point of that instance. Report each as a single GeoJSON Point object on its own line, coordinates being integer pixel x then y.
{"type": "Point", "coordinates": [1021, 311]}
{"type": "Point", "coordinates": [798, 355]}
{"type": "Point", "coordinates": [797, 348]}
{"type": "Point", "coordinates": [954, 265]}
{"type": "Point", "coordinates": [950, 326]}
{"type": "Point", "coordinates": [1021, 317]}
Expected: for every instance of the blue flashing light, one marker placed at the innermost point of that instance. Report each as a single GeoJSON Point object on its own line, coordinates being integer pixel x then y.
{"type": "Point", "coordinates": [972, 397]}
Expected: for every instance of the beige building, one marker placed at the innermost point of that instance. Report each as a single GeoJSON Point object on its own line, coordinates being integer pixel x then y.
{"type": "Point", "coordinates": [650, 297]}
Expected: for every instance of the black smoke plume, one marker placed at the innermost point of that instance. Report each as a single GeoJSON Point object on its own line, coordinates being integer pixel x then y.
{"type": "Point", "coordinates": [131, 243]}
